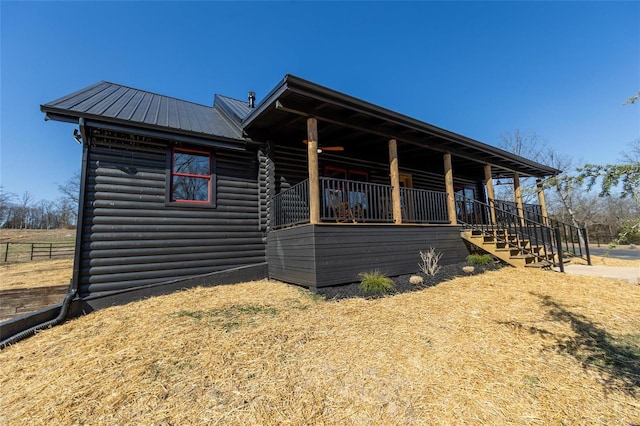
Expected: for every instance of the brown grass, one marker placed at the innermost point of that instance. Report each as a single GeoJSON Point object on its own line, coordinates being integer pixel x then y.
{"type": "Point", "coordinates": [37, 235]}
{"type": "Point", "coordinates": [41, 273]}
{"type": "Point", "coordinates": [608, 261]}
{"type": "Point", "coordinates": [490, 349]}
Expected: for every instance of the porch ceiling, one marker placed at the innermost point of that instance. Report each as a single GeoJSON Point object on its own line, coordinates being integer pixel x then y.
{"type": "Point", "coordinates": [361, 126]}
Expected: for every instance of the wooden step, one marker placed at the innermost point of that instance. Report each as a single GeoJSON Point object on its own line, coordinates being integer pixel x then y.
{"type": "Point", "coordinates": [509, 248]}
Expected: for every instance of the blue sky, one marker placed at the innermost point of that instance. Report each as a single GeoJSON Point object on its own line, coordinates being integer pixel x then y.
{"type": "Point", "coordinates": [560, 69]}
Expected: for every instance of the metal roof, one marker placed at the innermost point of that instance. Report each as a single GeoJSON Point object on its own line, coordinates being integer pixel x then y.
{"type": "Point", "coordinates": [114, 103]}
{"type": "Point", "coordinates": [236, 109]}
{"type": "Point", "coordinates": [280, 116]}
{"type": "Point", "coordinates": [365, 125]}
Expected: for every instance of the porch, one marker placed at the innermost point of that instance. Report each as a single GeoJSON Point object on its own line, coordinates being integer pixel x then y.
{"type": "Point", "coordinates": [357, 232]}
{"type": "Point", "coordinates": [348, 186]}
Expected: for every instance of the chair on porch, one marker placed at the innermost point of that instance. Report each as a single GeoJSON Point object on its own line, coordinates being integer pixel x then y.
{"type": "Point", "coordinates": [341, 208]}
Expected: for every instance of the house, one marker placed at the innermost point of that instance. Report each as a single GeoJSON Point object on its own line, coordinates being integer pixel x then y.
{"type": "Point", "coordinates": [310, 186]}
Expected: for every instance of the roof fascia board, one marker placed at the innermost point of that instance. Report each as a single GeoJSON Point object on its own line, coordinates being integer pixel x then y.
{"type": "Point", "coordinates": [267, 102]}
{"type": "Point", "coordinates": [217, 143]}
{"type": "Point", "coordinates": [142, 129]}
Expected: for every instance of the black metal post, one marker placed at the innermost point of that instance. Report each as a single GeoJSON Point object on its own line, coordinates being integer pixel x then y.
{"type": "Point", "coordinates": [586, 245]}
{"type": "Point", "coordinates": [6, 252]}
{"type": "Point", "coordinates": [559, 244]}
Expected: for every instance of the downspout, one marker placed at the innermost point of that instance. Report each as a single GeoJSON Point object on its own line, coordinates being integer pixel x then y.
{"type": "Point", "coordinates": [73, 286]}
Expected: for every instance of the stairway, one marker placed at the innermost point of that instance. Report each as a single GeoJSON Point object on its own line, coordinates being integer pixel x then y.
{"type": "Point", "coordinates": [509, 248]}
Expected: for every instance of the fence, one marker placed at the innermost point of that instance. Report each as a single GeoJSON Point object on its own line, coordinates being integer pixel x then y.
{"type": "Point", "coordinates": [15, 252]}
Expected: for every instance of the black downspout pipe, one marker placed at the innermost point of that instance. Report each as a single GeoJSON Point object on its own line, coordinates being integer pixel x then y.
{"type": "Point", "coordinates": [73, 286]}
{"type": "Point", "coordinates": [57, 320]}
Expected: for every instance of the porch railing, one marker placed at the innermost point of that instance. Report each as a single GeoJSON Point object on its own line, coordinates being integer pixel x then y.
{"type": "Point", "coordinates": [422, 206]}
{"type": "Point", "coordinates": [291, 206]}
{"type": "Point", "coordinates": [366, 203]}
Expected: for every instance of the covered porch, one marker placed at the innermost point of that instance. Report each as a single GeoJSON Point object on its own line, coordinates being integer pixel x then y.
{"type": "Point", "coordinates": [357, 181]}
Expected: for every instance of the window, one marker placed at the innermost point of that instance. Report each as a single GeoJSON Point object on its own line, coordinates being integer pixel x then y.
{"type": "Point", "coordinates": [191, 178]}
{"type": "Point", "coordinates": [343, 173]}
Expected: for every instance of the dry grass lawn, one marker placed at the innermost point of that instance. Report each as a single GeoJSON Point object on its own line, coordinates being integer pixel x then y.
{"type": "Point", "coordinates": [40, 273]}
{"type": "Point", "coordinates": [36, 273]}
{"type": "Point", "coordinates": [37, 235]}
{"type": "Point", "coordinates": [499, 348]}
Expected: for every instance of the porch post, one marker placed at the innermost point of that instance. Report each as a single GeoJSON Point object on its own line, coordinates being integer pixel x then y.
{"type": "Point", "coordinates": [518, 191]}
{"type": "Point", "coordinates": [488, 180]}
{"type": "Point", "coordinates": [448, 184]}
{"type": "Point", "coordinates": [395, 181]}
{"type": "Point", "coordinates": [314, 182]}
{"type": "Point", "coordinates": [543, 202]}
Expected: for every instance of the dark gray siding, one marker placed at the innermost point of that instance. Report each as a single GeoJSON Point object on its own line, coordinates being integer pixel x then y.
{"type": "Point", "coordinates": [131, 238]}
{"type": "Point", "coordinates": [325, 255]}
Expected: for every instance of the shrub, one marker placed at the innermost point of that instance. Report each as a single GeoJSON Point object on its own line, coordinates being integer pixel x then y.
{"type": "Point", "coordinates": [375, 282]}
{"type": "Point", "coordinates": [429, 261]}
{"type": "Point", "coordinates": [416, 279]}
{"type": "Point", "coordinates": [479, 259]}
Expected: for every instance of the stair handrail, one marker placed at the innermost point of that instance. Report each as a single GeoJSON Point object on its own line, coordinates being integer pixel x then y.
{"type": "Point", "coordinates": [574, 240]}
{"type": "Point", "coordinates": [571, 236]}
{"type": "Point", "coordinates": [476, 215]}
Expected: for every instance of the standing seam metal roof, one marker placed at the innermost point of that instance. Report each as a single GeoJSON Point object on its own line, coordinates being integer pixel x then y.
{"type": "Point", "coordinates": [238, 109]}
{"type": "Point", "coordinates": [116, 103]}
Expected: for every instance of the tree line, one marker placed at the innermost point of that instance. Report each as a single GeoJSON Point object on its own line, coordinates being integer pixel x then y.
{"type": "Point", "coordinates": [612, 210]}
{"type": "Point", "coordinates": [25, 212]}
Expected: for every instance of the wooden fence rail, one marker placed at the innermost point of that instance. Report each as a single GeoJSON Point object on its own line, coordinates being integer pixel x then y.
{"type": "Point", "coordinates": [37, 251]}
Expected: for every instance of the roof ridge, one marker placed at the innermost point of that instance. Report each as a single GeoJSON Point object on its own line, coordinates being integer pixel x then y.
{"type": "Point", "coordinates": [229, 97]}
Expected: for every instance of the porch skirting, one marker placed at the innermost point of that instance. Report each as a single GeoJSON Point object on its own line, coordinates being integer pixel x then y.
{"type": "Point", "coordinates": [324, 255]}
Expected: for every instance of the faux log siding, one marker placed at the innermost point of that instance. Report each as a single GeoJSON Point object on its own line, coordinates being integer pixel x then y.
{"type": "Point", "coordinates": [132, 238]}
{"type": "Point", "coordinates": [326, 255]}
{"type": "Point", "coordinates": [267, 186]}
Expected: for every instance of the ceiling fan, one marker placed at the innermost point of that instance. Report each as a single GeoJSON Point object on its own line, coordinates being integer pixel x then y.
{"type": "Point", "coordinates": [325, 148]}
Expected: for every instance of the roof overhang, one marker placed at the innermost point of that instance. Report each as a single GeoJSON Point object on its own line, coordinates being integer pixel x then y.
{"type": "Point", "coordinates": [142, 129]}
{"type": "Point", "coordinates": [294, 99]}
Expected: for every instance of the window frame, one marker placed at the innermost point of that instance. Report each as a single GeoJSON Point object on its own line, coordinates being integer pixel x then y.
{"type": "Point", "coordinates": [171, 173]}
{"type": "Point", "coordinates": [347, 172]}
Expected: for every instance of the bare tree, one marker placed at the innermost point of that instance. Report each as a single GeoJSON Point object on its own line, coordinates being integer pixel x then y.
{"type": "Point", "coordinates": [6, 202]}
{"type": "Point", "coordinates": [71, 188]}
{"type": "Point", "coordinates": [529, 145]}
{"type": "Point", "coordinates": [68, 203]}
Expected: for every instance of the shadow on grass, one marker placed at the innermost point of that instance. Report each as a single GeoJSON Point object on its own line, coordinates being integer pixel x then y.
{"type": "Point", "coordinates": [618, 358]}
